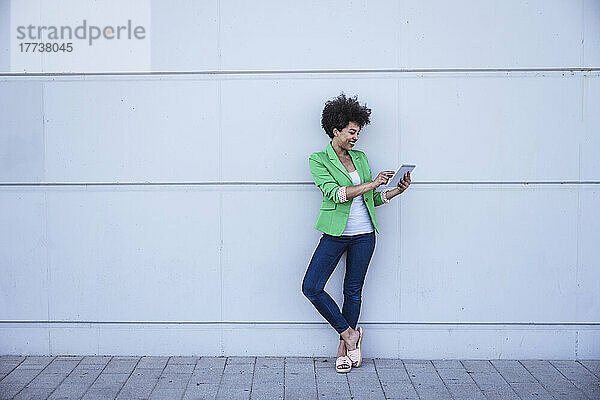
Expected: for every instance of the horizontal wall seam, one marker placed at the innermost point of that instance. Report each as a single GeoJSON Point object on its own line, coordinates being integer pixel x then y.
{"type": "Point", "coordinates": [298, 71]}
{"type": "Point", "coordinates": [268, 183]}
{"type": "Point", "coordinates": [301, 323]}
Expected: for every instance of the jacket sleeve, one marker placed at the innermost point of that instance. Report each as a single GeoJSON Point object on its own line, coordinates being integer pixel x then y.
{"type": "Point", "coordinates": [376, 195]}
{"type": "Point", "coordinates": [323, 179]}
{"type": "Point", "coordinates": [377, 199]}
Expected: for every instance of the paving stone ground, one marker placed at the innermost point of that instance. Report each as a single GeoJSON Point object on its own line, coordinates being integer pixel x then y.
{"type": "Point", "coordinates": [231, 378]}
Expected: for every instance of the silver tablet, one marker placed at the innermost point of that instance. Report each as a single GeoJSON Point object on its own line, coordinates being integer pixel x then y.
{"type": "Point", "coordinates": [404, 168]}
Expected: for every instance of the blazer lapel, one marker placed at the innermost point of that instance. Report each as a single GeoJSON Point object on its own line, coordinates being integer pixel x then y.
{"type": "Point", "coordinates": [358, 164]}
{"type": "Point", "coordinates": [336, 161]}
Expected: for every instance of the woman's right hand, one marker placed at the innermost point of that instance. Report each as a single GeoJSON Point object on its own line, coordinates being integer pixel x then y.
{"type": "Point", "coordinates": [383, 177]}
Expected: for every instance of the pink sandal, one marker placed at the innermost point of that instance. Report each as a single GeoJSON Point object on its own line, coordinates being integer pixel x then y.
{"type": "Point", "coordinates": [356, 354]}
{"type": "Point", "coordinates": [343, 364]}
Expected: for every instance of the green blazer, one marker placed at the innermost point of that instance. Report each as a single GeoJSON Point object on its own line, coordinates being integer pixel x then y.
{"type": "Point", "coordinates": [329, 175]}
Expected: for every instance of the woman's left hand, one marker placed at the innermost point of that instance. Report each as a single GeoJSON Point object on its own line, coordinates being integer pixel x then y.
{"type": "Point", "coordinates": [404, 182]}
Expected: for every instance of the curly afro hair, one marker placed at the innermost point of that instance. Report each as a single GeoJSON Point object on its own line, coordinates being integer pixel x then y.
{"type": "Point", "coordinates": [340, 111]}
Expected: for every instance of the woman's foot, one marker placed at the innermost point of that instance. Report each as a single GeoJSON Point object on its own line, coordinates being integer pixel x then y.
{"type": "Point", "coordinates": [343, 363]}
{"type": "Point", "coordinates": [350, 337]}
{"type": "Point", "coordinates": [356, 354]}
{"type": "Point", "coordinates": [341, 349]}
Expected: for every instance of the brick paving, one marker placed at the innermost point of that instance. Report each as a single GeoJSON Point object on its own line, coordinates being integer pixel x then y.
{"type": "Point", "coordinates": [231, 378]}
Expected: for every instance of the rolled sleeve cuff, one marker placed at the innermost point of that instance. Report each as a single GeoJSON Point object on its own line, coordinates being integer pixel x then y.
{"type": "Point", "coordinates": [342, 194]}
{"type": "Point", "coordinates": [383, 196]}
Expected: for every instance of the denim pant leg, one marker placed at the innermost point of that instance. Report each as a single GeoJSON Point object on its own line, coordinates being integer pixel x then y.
{"type": "Point", "coordinates": [358, 257]}
{"type": "Point", "coordinates": [323, 263]}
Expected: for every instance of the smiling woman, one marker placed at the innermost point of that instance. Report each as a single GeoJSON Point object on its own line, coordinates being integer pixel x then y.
{"type": "Point", "coordinates": [347, 220]}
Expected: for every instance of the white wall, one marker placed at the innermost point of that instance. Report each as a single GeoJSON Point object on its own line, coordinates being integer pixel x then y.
{"type": "Point", "coordinates": [492, 252]}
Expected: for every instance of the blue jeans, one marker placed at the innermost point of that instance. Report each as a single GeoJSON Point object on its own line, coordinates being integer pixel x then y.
{"type": "Point", "coordinates": [324, 260]}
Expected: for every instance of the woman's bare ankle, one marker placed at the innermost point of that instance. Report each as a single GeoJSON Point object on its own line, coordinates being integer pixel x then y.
{"type": "Point", "coordinates": [341, 349]}
{"type": "Point", "coordinates": [350, 336]}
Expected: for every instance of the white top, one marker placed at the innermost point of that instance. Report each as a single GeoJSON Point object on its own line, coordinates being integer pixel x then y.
{"type": "Point", "coordinates": [359, 220]}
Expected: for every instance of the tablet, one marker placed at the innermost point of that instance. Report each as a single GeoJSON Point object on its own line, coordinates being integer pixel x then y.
{"type": "Point", "coordinates": [404, 168]}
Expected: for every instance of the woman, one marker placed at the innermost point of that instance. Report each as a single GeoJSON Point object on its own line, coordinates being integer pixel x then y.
{"type": "Point", "coordinates": [347, 220]}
